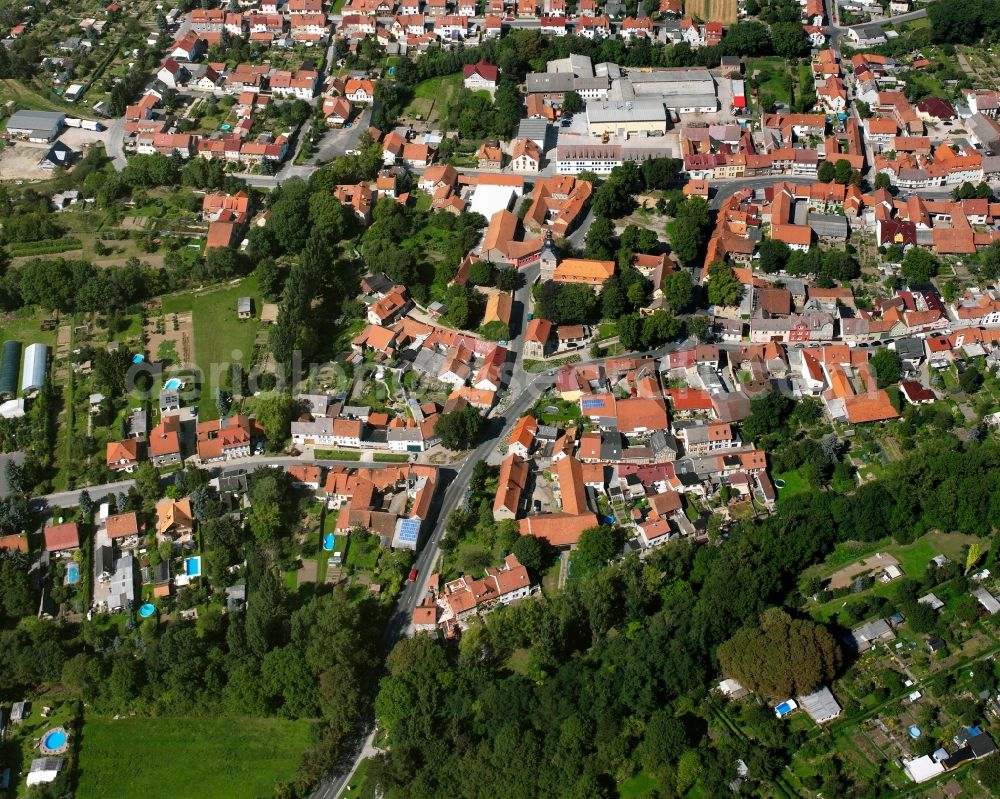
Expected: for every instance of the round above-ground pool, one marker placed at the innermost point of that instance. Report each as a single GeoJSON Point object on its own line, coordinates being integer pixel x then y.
{"type": "Point", "coordinates": [147, 610]}
{"type": "Point", "coordinates": [55, 742]}
{"type": "Point", "coordinates": [137, 358]}
{"type": "Point", "coordinates": [328, 542]}
{"type": "Point", "coordinates": [173, 384]}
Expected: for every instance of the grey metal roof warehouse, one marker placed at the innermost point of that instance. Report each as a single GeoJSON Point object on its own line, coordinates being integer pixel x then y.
{"type": "Point", "coordinates": [698, 77]}
{"type": "Point", "coordinates": [627, 111]}
{"type": "Point", "coordinates": [549, 82]}
{"type": "Point", "coordinates": [10, 367]}
{"type": "Point", "coordinates": [831, 226]}
{"type": "Point", "coordinates": [534, 129]}
{"type": "Point", "coordinates": [43, 123]}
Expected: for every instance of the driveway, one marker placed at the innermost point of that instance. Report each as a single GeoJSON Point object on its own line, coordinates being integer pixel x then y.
{"type": "Point", "coordinates": [337, 142]}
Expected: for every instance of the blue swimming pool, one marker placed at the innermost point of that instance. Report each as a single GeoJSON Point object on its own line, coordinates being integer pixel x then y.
{"type": "Point", "coordinates": [137, 359]}
{"type": "Point", "coordinates": [55, 740]}
{"type": "Point", "coordinates": [173, 384]}
{"type": "Point", "coordinates": [72, 574]}
{"type": "Point", "coordinates": [192, 566]}
{"type": "Point", "coordinates": [328, 542]}
{"type": "Point", "coordinates": [146, 610]}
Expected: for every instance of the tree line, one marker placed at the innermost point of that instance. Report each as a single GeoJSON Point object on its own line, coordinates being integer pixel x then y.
{"type": "Point", "coordinates": [618, 666]}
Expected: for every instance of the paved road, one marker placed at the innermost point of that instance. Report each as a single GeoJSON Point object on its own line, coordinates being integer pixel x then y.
{"type": "Point", "coordinates": [526, 391]}
{"type": "Point", "coordinates": [114, 141]}
{"type": "Point", "coordinates": [578, 238]}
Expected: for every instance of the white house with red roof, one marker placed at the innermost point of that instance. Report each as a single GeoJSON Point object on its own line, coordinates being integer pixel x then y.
{"type": "Point", "coordinates": [480, 76]}
{"type": "Point", "coordinates": [188, 48]}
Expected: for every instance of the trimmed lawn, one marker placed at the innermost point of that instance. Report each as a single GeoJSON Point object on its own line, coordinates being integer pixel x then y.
{"type": "Point", "coordinates": [438, 88]}
{"type": "Point", "coordinates": [337, 455]}
{"type": "Point", "coordinates": [565, 411]}
{"type": "Point", "coordinates": [391, 457]}
{"type": "Point", "coordinates": [363, 558]}
{"type": "Point", "coordinates": [779, 80]}
{"type": "Point", "coordinates": [189, 758]}
{"type": "Point", "coordinates": [217, 332]}
{"type": "Point", "coordinates": [637, 786]}
{"type": "Point", "coordinates": [520, 661]}
{"type": "Point", "coordinates": [27, 328]}
{"type": "Point", "coordinates": [607, 330]}
{"type": "Point", "coordinates": [795, 483]}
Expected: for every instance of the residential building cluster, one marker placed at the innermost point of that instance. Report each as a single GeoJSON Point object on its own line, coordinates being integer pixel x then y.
{"type": "Point", "coordinates": [179, 436]}
{"type": "Point", "coordinates": [634, 453]}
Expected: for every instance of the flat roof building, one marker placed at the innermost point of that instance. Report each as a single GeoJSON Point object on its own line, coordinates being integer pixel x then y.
{"type": "Point", "coordinates": [627, 117]}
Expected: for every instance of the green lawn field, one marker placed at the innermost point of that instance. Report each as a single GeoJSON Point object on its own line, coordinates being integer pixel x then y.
{"type": "Point", "coordinates": [432, 97]}
{"type": "Point", "coordinates": [795, 483]}
{"type": "Point", "coordinates": [217, 331]}
{"type": "Point", "coordinates": [188, 758]}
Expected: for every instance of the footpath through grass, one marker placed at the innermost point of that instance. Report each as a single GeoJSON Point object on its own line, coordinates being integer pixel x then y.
{"type": "Point", "coordinates": [189, 758]}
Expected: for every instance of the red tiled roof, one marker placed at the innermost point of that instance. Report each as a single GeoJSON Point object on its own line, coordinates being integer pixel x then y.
{"type": "Point", "coordinates": [122, 525]}
{"type": "Point", "coordinates": [62, 536]}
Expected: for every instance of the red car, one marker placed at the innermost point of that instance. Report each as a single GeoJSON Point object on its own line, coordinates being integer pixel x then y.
{"type": "Point", "coordinates": [413, 576]}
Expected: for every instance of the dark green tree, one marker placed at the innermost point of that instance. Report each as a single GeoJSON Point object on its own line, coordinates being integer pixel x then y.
{"type": "Point", "coordinates": [458, 430]}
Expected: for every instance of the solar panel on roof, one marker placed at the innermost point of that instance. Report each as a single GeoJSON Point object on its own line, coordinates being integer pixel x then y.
{"type": "Point", "coordinates": [409, 530]}
{"type": "Point", "coordinates": [593, 403]}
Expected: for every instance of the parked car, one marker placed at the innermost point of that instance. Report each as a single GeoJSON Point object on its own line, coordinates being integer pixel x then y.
{"type": "Point", "coordinates": [413, 576]}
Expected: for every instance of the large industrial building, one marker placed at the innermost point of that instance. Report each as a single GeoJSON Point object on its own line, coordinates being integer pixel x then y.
{"type": "Point", "coordinates": [686, 91]}
{"type": "Point", "coordinates": [36, 126]}
{"type": "Point", "coordinates": [626, 117]}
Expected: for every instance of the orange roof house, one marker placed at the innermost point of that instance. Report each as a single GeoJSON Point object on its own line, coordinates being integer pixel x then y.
{"type": "Point", "coordinates": [572, 490]}
{"type": "Point", "coordinates": [123, 455]}
{"type": "Point", "coordinates": [870, 407]}
{"type": "Point", "coordinates": [522, 437]}
{"type": "Point", "coordinates": [164, 439]}
{"type": "Point", "coordinates": [174, 516]}
{"type": "Point", "coordinates": [226, 438]}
